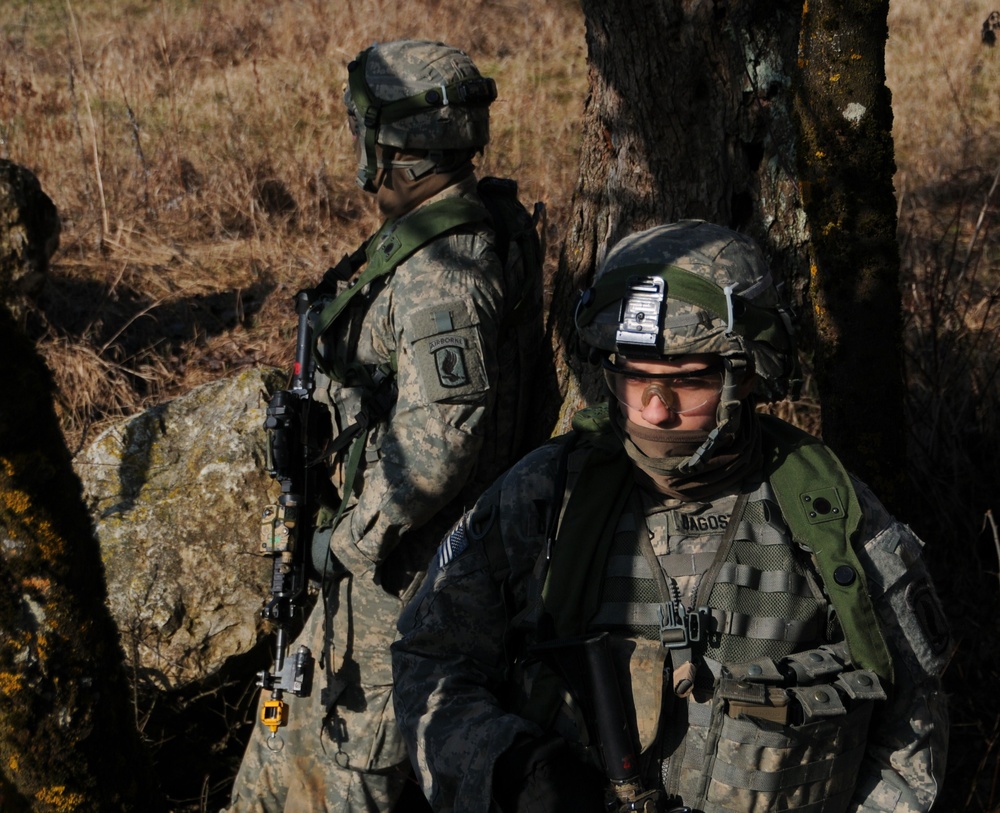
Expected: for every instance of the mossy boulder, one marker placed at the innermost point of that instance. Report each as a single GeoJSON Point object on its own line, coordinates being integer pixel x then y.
{"type": "Point", "coordinates": [176, 495]}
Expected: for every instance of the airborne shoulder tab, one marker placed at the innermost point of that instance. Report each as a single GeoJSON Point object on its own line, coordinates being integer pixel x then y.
{"type": "Point", "coordinates": [447, 351]}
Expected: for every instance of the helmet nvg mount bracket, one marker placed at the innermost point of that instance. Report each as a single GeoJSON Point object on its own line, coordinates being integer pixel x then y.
{"type": "Point", "coordinates": [416, 95]}
{"type": "Point", "coordinates": [640, 326]}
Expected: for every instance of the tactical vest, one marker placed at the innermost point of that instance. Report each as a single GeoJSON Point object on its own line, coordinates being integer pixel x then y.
{"type": "Point", "coordinates": [816, 500]}
{"type": "Point", "coordinates": [758, 596]}
{"type": "Point", "coordinates": [778, 715]}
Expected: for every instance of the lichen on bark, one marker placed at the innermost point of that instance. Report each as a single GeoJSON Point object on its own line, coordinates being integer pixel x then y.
{"type": "Point", "coordinates": [67, 735]}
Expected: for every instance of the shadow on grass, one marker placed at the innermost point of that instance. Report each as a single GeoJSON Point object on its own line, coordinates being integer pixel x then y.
{"type": "Point", "coordinates": [129, 323]}
{"type": "Point", "coordinates": [951, 273]}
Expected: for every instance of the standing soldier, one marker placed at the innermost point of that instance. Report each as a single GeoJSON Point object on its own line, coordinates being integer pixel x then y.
{"type": "Point", "coordinates": [683, 604]}
{"type": "Point", "coordinates": [424, 338]}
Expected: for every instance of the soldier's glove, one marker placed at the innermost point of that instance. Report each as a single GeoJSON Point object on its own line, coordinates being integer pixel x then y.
{"type": "Point", "coordinates": [543, 775]}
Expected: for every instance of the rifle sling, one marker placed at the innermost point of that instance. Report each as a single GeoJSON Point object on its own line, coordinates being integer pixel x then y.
{"type": "Point", "coordinates": [396, 242]}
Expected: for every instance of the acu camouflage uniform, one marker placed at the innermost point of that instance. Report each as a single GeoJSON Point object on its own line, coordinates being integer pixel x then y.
{"type": "Point", "coordinates": [446, 315]}
{"type": "Point", "coordinates": [464, 685]}
{"type": "Point", "coordinates": [579, 538]}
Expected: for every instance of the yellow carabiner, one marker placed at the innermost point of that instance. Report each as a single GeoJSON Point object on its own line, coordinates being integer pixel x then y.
{"type": "Point", "coordinates": [273, 714]}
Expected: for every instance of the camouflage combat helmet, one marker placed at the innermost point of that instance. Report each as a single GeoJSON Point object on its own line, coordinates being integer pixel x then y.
{"type": "Point", "coordinates": [416, 95]}
{"type": "Point", "coordinates": [691, 287]}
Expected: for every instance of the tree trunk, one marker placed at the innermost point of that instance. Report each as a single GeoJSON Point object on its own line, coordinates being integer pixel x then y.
{"type": "Point", "coordinates": [846, 166]}
{"type": "Point", "coordinates": [68, 739]}
{"type": "Point", "coordinates": [688, 116]}
{"type": "Point", "coordinates": [692, 114]}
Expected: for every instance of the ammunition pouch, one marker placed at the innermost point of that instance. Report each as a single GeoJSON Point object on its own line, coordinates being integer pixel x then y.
{"type": "Point", "coordinates": [818, 685]}
{"type": "Point", "coordinates": [784, 735]}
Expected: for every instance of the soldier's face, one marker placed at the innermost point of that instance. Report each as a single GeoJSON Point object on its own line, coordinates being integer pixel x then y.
{"type": "Point", "coordinates": [682, 393]}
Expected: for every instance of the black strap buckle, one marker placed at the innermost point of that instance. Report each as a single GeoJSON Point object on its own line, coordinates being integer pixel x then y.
{"type": "Point", "coordinates": [679, 628]}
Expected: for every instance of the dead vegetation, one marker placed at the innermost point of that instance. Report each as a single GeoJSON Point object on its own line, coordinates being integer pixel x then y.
{"type": "Point", "coordinates": [946, 101]}
{"type": "Point", "coordinates": [200, 162]}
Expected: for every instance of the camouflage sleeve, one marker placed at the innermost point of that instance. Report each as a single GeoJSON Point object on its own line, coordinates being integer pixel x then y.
{"type": "Point", "coordinates": [907, 745]}
{"type": "Point", "coordinates": [442, 321]}
{"type": "Point", "coordinates": [450, 661]}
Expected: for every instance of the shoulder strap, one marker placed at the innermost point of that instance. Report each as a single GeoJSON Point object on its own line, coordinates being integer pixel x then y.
{"type": "Point", "coordinates": [818, 502]}
{"type": "Point", "coordinates": [493, 545]}
{"type": "Point", "coordinates": [402, 239]}
{"type": "Point", "coordinates": [580, 544]}
{"type": "Point", "coordinates": [584, 536]}
{"type": "Point", "coordinates": [572, 544]}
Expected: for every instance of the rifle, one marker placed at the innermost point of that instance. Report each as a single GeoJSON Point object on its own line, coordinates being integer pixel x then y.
{"type": "Point", "coordinates": [286, 527]}
{"type": "Point", "coordinates": [585, 665]}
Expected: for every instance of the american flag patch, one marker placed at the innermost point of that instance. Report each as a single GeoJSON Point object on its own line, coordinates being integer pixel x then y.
{"type": "Point", "coordinates": [453, 546]}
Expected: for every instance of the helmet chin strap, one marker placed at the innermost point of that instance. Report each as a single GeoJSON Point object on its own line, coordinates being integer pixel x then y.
{"type": "Point", "coordinates": [727, 415]}
{"type": "Point", "coordinates": [372, 175]}
{"type": "Point", "coordinates": [414, 169]}
{"type": "Point", "coordinates": [367, 182]}
{"type": "Point", "coordinates": [418, 169]}
{"type": "Point", "coordinates": [371, 172]}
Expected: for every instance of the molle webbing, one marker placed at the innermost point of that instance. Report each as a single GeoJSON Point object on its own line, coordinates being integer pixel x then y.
{"type": "Point", "coordinates": [631, 596]}
{"type": "Point", "coordinates": [757, 768]}
{"type": "Point", "coordinates": [792, 458]}
{"type": "Point", "coordinates": [758, 592]}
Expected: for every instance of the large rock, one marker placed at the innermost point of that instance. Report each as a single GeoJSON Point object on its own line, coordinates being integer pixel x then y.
{"type": "Point", "coordinates": [29, 235]}
{"type": "Point", "coordinates": [176, 494]}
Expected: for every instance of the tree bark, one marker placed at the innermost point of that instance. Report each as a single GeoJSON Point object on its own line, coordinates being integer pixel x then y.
{"type": "Point", "coordinates": [846, 165]}
{"type": "Point", "coordinates": [688, 116]}
{"type": "Point", "coordinates": [694, 111]}
{"type": "Point", "coordinates": [68, 739]}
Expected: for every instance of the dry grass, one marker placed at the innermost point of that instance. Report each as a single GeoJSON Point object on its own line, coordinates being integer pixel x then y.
{"type": "Point", "coordinates": [199, 159]}
{"type": "Point", "coordinates": [945, 85]}
{"type": "Point", "coordinates": [946, 101]}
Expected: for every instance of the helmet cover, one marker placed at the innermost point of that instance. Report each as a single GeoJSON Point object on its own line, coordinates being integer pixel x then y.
{"type": "Point", "coordinates": [691, 287]}
{"type": "Point", "coordinates": [417, 95]}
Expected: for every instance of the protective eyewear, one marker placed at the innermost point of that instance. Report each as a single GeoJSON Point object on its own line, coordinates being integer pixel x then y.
{"type": "Point", "coordinates": [680, 392]}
